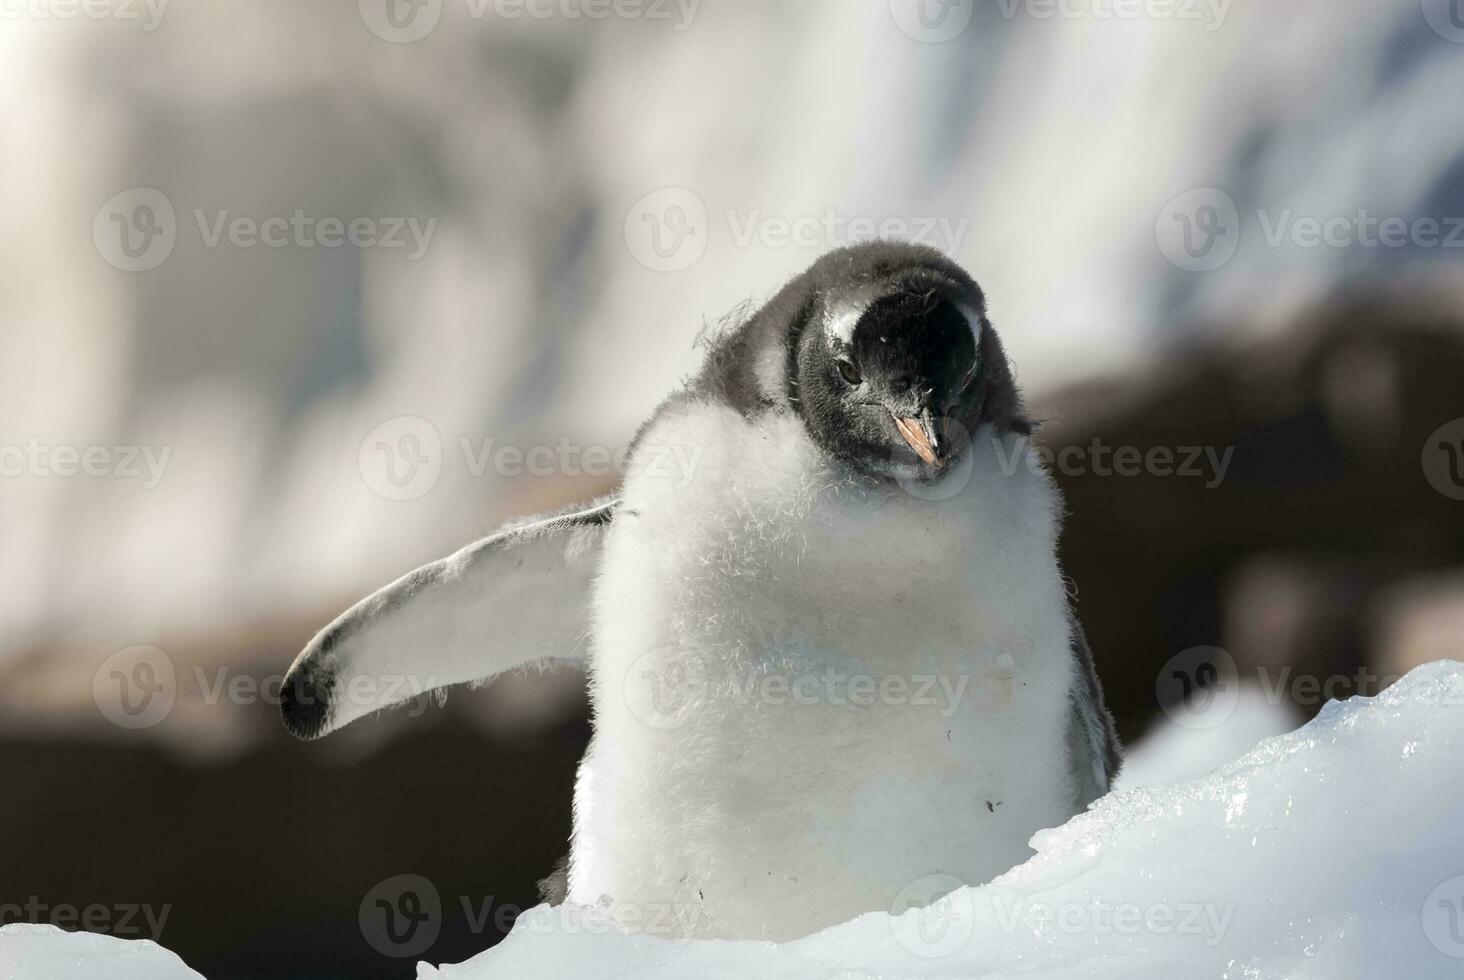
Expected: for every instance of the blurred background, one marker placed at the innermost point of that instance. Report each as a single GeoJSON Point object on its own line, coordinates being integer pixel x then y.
{"type": "Point", "coordinates": [299, 296]}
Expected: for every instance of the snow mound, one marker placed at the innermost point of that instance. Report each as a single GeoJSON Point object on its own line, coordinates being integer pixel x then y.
{"type": "Point", "coordinates": [1334, 852]}
{"type": "Point", "coordinates": [32, 952]}
{"type": "Point", "coordinates": [1174, 752]}
{"type": "Point", "coordinates": [1331, 853]}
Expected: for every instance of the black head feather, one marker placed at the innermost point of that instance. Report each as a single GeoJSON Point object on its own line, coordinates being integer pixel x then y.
{"type": "Point", "coordinates": [870, 335]}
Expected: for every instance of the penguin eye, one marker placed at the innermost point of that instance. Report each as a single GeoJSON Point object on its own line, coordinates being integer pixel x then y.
{"type": "Point", "coordinates": [850, 372]}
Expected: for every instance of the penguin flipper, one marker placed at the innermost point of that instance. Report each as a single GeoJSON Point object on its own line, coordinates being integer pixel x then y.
{"type": "Point", "coordinates": [1092, 741]}
{"type": "Point", "coordinates": [518, 596]}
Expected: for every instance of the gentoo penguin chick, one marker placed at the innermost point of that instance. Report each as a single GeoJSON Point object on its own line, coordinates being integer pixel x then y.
{"type": "Point", "coordinates": [831, 658]}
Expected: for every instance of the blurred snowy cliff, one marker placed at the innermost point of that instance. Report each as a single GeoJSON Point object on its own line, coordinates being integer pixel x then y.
{"type": "Point", "coordinates": [1043, 151]}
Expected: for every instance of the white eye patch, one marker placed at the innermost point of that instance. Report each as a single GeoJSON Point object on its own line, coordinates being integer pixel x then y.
{"type": "Point", "coordinates": [974, 320]}
{"type": "Point", "coordinates": [841, 320]}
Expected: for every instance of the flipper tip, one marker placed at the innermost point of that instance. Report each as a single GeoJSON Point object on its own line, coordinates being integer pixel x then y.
{"type": "Point", "coordinates": [305, 701]}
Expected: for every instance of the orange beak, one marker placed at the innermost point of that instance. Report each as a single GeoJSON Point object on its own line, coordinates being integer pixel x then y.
{"type": "Point", "coordinates": [920, 434]}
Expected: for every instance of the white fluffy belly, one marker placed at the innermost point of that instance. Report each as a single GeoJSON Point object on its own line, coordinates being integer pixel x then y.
{"type": "Point", "coordinates": [809, 693]}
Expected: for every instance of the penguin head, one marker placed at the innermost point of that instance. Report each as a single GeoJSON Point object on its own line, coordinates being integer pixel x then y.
{"type": "Point", "coordinates": [895, 363]}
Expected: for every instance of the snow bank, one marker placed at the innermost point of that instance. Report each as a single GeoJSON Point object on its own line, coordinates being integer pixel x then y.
{"type": "Point", "coordinates": [31, 952]}
{"type": "Point", "coordinates": [1331, 853]}
{"type": "Point", "coordinates": [1173, 752]}
{"type": "Point", "coordinates": [1334, 852]}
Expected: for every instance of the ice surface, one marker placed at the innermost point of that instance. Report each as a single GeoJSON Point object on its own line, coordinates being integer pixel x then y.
{"type": "Point", "coordinates": [1333, 852]}
{"type": "Point", "coordinates": [35, 952]}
